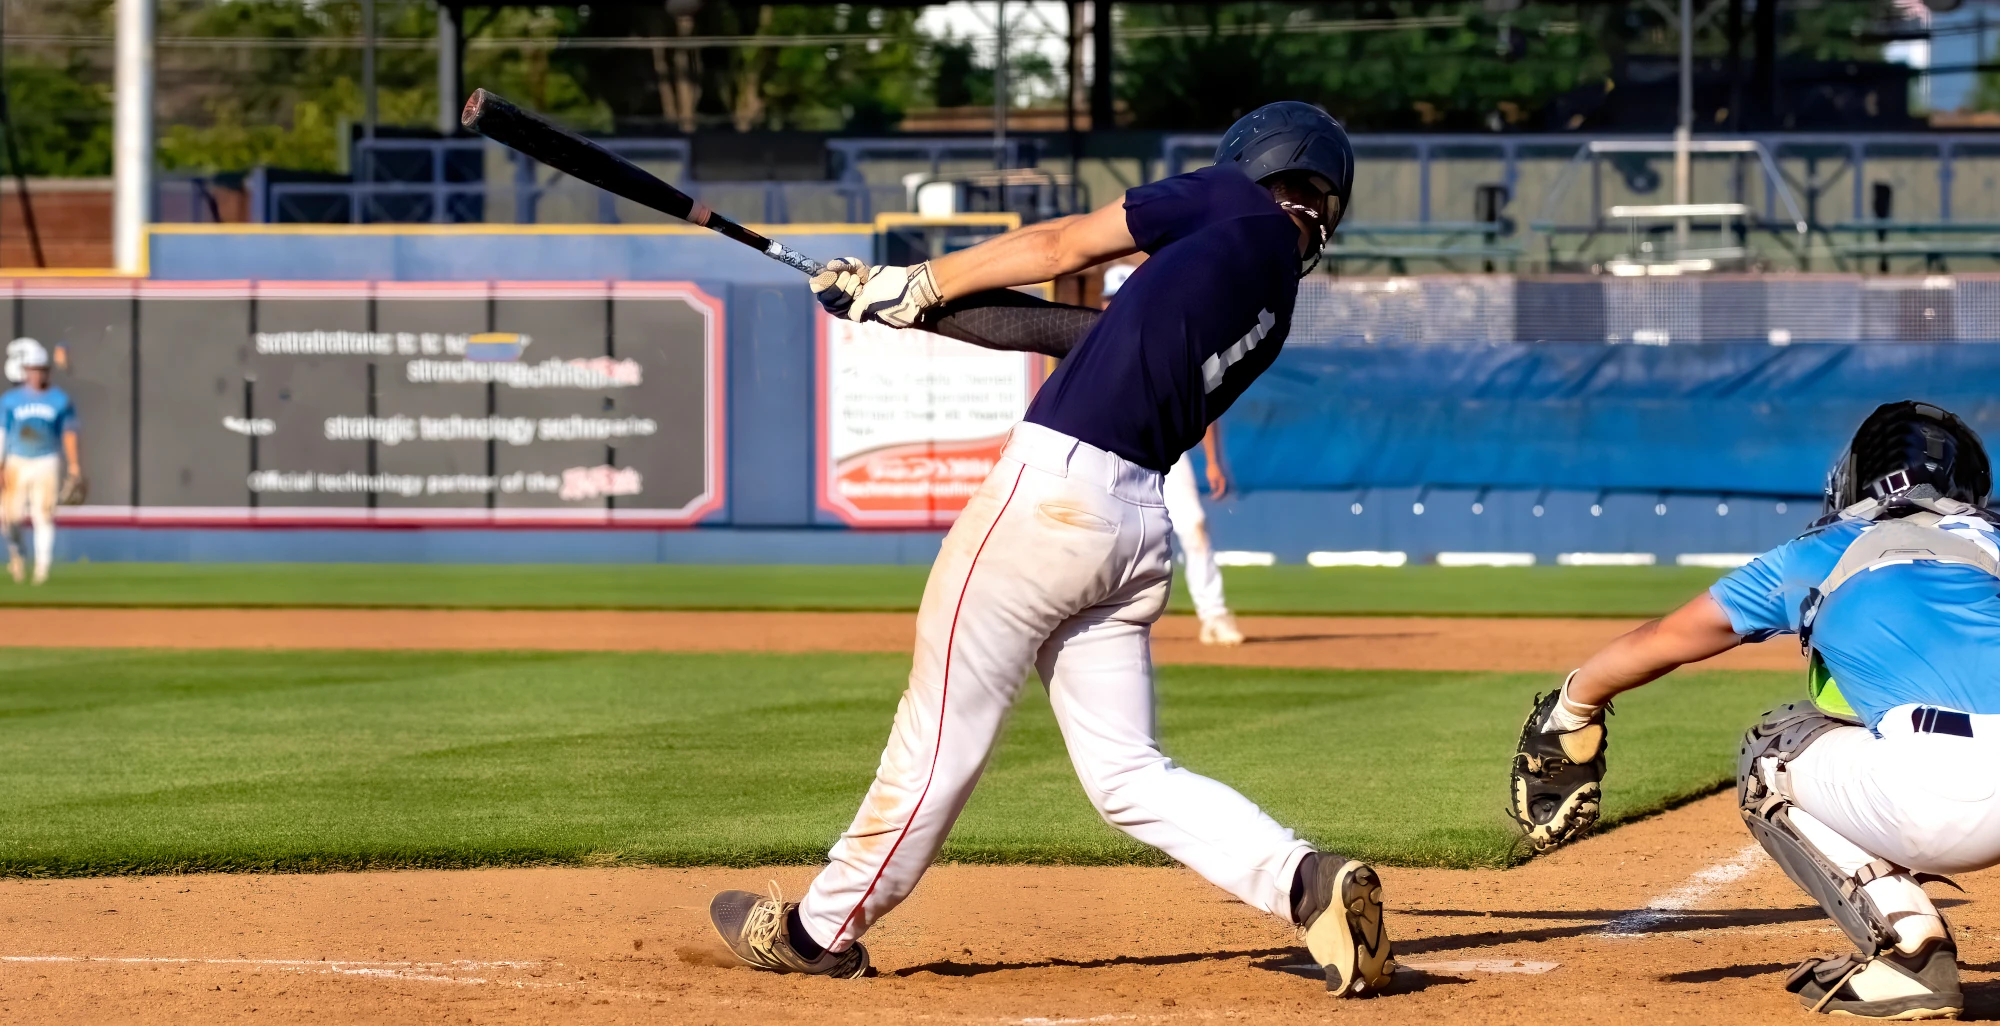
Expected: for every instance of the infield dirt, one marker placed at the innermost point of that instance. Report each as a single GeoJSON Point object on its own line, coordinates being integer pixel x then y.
{"type": "Point", "coordinates": [1345, 642]}
{"type": "Point", "coordinates": [1676, 918]}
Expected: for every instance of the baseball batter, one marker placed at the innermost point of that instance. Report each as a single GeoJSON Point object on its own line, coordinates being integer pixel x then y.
{"type": "Point", "coordinates": [1891, 771]}
{"type": "Point", "coordinates": [1060, 561]}
{"type": "Point", "coordinates": [37, 432]}
{"type": "Point", "coordinates": [1190, 521]}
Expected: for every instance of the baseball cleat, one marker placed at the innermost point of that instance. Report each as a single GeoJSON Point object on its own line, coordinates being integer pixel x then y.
{"type": "Point", "coordinates": [1343, 925]}
{"type": "Point", "coordinates": [1890, 985]}
{"type": "Point", "coordinates": [753, 926]}
{"type": "Point", "coordinates": [1221, 629]}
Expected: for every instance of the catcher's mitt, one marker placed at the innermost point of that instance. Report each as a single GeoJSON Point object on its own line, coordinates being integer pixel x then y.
{"type": "Point", "coordinates": [75, 489]}
{"type": "Point", "coordinates": [1556, 786]}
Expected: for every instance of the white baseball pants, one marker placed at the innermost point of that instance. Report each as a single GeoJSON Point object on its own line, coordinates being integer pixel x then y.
{"type": "Point", "coordinates": [1059, 562]}
{"type": "Point", "coordinates": [1928, 802]}
{"type": "Point", "coordinates": [28, 495]}
{"type": "Point", "coordinates": [1204, 578]}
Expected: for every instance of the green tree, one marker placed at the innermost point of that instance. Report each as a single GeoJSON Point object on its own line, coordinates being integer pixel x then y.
{"type": "Point", "coordinates": [62, 119]}
{"type": "Point", "coordinates": [1453, 66]}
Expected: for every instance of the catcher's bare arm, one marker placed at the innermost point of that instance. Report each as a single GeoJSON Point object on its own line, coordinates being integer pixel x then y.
{"type": "Point", "coordinates": [1556, 783]}
{"type": "Point", "coordinates": [1689, 634]}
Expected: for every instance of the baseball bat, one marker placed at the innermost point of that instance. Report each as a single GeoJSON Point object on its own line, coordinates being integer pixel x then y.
{"type": "Point", "coordinates": [573, 155]}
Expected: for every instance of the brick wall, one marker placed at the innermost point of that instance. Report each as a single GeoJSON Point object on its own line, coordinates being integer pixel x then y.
{"type": "Point", "coordinates": [74, 218]}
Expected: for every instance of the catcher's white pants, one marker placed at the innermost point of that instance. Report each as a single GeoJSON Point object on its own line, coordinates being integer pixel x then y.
{"type": "Point", "coordinates": [1927, 802]}
{"type": "Point", "coordinates": [1059, 562]}
{"type": "Point", "coordinates": [28, 496]}
{"type": "Point", "coordinates": [1204, 578]}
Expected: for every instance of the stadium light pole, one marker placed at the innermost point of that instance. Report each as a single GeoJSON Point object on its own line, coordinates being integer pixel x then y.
{"type": "Point", "coordinates": [1684, 133]}
{"type": "Point", "coordinates": [1000, 92]}
{"type": "Point", "coordinates": [132, 135]}
{"type": "Point", "coordinates": [450, 84]}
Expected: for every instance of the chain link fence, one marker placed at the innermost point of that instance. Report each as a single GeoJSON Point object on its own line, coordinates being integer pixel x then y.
{"type": "Point", "coordinates": [1766, 309]}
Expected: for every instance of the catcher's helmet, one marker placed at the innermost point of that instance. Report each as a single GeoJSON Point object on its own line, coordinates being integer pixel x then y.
{"type": "Point", "coordinates": [1910, 448]}
{"type": "Point", "coordinates": [1292, 136]}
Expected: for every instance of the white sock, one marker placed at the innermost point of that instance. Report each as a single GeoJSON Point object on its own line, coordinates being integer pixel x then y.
{"type": "Point", "coordinates": [45, 545]}
{"type": "Point", "coordinates": [1570, 714]}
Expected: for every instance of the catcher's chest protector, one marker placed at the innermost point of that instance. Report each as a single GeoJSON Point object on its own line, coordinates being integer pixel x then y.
{"type": "Point", "coordinates": [1912, 538]}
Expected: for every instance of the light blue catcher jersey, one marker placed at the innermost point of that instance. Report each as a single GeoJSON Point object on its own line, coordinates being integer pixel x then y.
{"type": "Point", "coordinates": [1922, 633]}
{"type": "Point", "coordinates": [36, 421]}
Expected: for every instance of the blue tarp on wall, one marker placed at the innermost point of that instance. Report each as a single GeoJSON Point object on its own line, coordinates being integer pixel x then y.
{"type": "Point", "coordinates": [1718, 418]}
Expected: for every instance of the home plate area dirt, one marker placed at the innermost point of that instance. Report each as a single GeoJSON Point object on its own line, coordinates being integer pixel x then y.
{"type": "Point", "coordinates": [1674, 919]}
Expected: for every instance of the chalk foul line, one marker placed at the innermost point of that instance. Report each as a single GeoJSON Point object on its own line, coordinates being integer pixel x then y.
{"type": "Point", "coordinates": [1672, 904]}
{"type": "Point", "coordinates": [1482, 965]}
{"type": "Point", "coordinates": [471, 973]}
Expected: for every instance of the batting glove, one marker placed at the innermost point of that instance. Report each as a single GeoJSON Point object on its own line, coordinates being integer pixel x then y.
{"type": "Point", "coordinates": [839, 283]}
{"type": "Point", "coordinates": [895, 296]}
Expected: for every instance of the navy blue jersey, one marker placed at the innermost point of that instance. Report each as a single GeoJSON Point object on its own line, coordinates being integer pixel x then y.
{"type": "Point", "coordinates": [1193, 326]}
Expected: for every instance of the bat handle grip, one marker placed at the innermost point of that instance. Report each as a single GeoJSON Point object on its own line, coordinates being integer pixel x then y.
{"type": "Point", "coordinates": [787, 255]}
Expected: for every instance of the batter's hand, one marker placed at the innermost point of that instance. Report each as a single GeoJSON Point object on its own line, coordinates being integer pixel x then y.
{"type": "Point", "coordinates": [895, 296]}
{"type": "Point", "coordinates": [839, 283]}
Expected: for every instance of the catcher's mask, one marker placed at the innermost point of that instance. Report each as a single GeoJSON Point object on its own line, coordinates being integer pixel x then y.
{"type": "Point", "coordinates": [1910, 448]}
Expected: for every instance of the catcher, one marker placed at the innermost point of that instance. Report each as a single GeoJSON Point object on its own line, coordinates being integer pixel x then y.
{"type": "Point", "coordinates": [35, 419]}
{"type": "Point", "coordinates": [1890, 771]}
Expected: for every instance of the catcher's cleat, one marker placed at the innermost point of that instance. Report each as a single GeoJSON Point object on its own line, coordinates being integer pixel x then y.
{"type": "Point", "coordinates": [1556, 784]}
{"type": "Point", "coordinates": [1221, 629]}
{"type": "Point", "coordinates": [753, 926]}
{"type": "Point", "coordinates": [1341, 922]}
{"type": "Point", "coordinates": [1890, 985]}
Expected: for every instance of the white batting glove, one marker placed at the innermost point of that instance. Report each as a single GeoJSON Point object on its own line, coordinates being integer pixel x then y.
{"type": "Point", "coordinates": [839, 283]}
{"type": "Point", "coordinates": [895, 296]}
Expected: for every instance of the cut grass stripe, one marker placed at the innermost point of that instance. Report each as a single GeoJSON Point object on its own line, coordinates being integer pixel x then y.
{"type": "Point", "coordinates": [124, 762]}
{"type": "Point", "coordinates": [1412, 590]}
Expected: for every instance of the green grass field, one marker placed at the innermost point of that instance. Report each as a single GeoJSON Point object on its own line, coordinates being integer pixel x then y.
{"type": "Point", "coordinates": [163, 761]}
{"type": "Point", "coordinates": [1537, 591]}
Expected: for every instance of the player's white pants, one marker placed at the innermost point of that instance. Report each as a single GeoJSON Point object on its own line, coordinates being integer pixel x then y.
{"type": "Point", "coordinates": [1059, 562]}
{"type": "Point", "coordinates": [1927, 802]}
{"type": "Point", "coordinates": [1204, 578]}
{"type": "Point", "coordinates": [28, 495]}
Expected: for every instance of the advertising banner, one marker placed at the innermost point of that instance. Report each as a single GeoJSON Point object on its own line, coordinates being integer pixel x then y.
{"type": "Point", "coordinates": [329, 403]}
{"type": "Point", "coordinates": [910, 422]}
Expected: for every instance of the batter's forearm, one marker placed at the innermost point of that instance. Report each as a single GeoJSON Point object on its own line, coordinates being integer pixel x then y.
{"type": "Point", "coordinates": [1694, 632]}
{"type": "Point", "coordinates": [1040, 252]}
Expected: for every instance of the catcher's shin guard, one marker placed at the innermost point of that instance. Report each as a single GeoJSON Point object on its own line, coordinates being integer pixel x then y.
{"type": "Point", "coordinates": [1556, 784]}
{"type": "Point", "coordinates": [1782, 734]}
{"type": "Point", "coordinates": [1891, 985]}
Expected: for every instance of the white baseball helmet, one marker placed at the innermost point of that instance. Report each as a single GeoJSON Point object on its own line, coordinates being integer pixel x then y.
{"type": "Point", "coordinates": [23, 353]}
{"type": "Point", "coordinates": [1115, 277]}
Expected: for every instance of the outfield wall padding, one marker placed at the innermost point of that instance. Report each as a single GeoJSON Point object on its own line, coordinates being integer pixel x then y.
{"type": "Point", "coordinates": [1716, 418]}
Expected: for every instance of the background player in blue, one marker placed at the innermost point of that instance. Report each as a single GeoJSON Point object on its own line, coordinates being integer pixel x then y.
{"type": "Point", "coordinates": [1891, 769]}
{"type": "Point", "coordinates": [1060, 562]}
{"type": "Point", "coordinates": [37, 435]}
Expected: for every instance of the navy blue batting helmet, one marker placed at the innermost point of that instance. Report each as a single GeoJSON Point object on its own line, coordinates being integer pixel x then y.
{"type": "Point", "coordinates": [1292, 136]}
